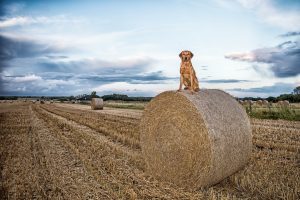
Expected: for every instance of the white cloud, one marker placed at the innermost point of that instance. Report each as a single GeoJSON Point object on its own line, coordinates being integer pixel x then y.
{"type": "Point", "coordinates": [22, 79]}
{"type": "Point", "coordinates": [34, 84]}
{"type": "Point", "coordinates": [268, 12]}
{"type": "Point", "coordinates": [250, 57]}
{"type": "Point", "coordinates": [128, 88]}
{"type": "Point", "coordinates": [27, 20]}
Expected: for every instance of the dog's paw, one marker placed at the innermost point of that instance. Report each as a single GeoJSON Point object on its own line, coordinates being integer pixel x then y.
{"type": "Point", "coordinates": [179, 90]}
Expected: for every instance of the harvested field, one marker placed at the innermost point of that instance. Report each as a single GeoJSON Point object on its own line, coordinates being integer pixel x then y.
{"type": "Point", "coordinates": [64, 151]}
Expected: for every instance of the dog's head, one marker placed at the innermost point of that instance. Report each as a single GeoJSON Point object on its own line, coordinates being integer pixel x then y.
{"type": "Point", "coordinates": [186, 56]}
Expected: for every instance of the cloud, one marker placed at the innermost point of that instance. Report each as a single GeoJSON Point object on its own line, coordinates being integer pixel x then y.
{"type": "Point", "coordinates": [100, 66]}
{"type": "Point", "coordinates": [225, 81]}
{"type": "Point", "coordinates": [26, 20]}
{"type": "Point", "coordinates": [142, 78]}
{"type": "Point", "coordinates": [283, 59]}
{"type": "Point", "coordinates": [264, 91]}
{"type": "Point", "coordinates": [35, 85]}
{"type": "Point", "coordinates": [22, 79]}
{"type": "Point", "coordinates": [133, 89]}
{"type": "Point", "coordinates": [74, 84]}
{"type": "Point", "coordinates": [289, 34]}
{"type": "Point", "coordinates": [11, 48]}
{"type": "Point", "coordinates": [270, 13]}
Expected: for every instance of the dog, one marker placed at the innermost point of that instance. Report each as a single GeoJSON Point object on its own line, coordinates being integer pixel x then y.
{"type": "Point", "coordinates": [187, 73]}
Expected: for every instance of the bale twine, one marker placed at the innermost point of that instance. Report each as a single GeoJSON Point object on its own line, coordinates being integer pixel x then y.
{"type": "Point", "coordinates": [195, 140]}
{"type": "Point", "coordinates": [97, 104]}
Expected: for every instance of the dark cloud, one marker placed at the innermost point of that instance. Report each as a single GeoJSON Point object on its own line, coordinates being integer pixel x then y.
{"type": "Point", "coordinates": [277, 88]}
{"type": "Point", "coordinates": [225, 81]}
{"type": "Point", "coordinates": [56, 83]}
{"type": "Point", "coordinates": [16, 48]}
{"type": "Point", "coordinates": [98, 66]}
{"type": "Point", "coordinates": [284, 59]}
{"type": "Point", "coordinates": [146, 78]}
{"type": "Point", "coordinates": [204, 68]}
{"type": "Point", "coordinates": [289, 34]}
{"type": "Point", "coordinates": [58, 74]}
{"type": "Point", "coordinates": [56, 57]}
{"type": "Point", "coordinates": [12, 49]}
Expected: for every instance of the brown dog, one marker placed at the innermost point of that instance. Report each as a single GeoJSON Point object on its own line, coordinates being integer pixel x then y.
{"type": "Point", "coordinates": [187, 73]}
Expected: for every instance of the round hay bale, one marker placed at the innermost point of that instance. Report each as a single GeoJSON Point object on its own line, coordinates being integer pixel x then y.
{"type": "Point", "coordinates": [280, 103]}
{"type": "Point", "coordinates": [195, 140]}
{"type": "Point", "coordinates": [259, 102]}
{"type": "Point", "coordinates": [97, 104]}
{"type": "Point", "coordinates": [286, 103]}
{"type": "Point", "coordinates": [265, 102]}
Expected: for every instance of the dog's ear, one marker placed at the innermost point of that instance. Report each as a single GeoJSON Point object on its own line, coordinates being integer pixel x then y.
{"type": "Point", "coordinates": [180, 55]}
{"type": "Point", "coordinates": [192, 55]}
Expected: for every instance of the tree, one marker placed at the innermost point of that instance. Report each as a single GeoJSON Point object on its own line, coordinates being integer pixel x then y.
{"type": "Point", "coordinates": [297, 90]}
{"type": "Point", "coordinates": [93, 94]}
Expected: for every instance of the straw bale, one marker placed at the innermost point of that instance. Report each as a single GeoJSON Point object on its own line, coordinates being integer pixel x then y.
{"type": "Point", "coordinates": [195, 140]}
{"type": "Point", "coordinates": [97, 104]}
{"type": "Point", "coordinates": [259, 102]}
{"type": "Point", "coordinates": [265, 102]}
{"type": "Point", "coordinates": [285, 103]}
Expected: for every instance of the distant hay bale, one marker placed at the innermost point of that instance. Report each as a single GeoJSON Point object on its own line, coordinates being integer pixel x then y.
{"type": "Point", "coordinates": [284, 103]}
{"type": "Point", "coordinates": [249, 102]}
{"type": "Point", "coordinates": [97, 104]}
{"type": "Point", "coordinates": [195, 140]}
{"type": "Point", "coordinates": [51, 101]}
{"type": "Point", "coordinates": [259, 102]}
{"type": "Point", "coordinates": [265, 102]}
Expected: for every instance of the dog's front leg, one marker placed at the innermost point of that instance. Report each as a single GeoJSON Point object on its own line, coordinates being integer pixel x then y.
{"type": "Point", "coordinates": [180, 84]}
{"type": "Point", "coordinates": [192, 83]}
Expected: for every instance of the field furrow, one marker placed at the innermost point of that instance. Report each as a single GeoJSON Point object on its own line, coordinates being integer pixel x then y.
{"type": "Point", "coordinates": [112, 164]}
{"type": "Point", "coordinates": [117, 128]}
{"type": "Point", "coordinates": [71, 178]}
{"type": "Point", "coordinates": [57, 152]}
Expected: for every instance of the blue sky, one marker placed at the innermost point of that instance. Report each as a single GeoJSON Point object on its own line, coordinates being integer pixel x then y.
{"type": "Point", "coordinates": [245, 47]}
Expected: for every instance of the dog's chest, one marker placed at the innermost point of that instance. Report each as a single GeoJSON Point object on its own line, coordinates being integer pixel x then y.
{"type": "Point", "coordinates": [185, 68]}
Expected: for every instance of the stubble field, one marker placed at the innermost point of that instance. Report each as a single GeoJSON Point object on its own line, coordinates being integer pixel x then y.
{"type": "Point", "coordinates": [56, 151]}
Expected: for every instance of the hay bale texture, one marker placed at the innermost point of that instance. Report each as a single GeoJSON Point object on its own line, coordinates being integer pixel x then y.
{"type": "Point", "coordinates": [97, 104]}
{"type": "Point", "coordinates": [195, 140]}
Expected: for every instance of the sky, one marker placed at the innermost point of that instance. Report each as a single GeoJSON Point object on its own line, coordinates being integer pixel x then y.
{"type": "Point", "coordinates": [73, 47]}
